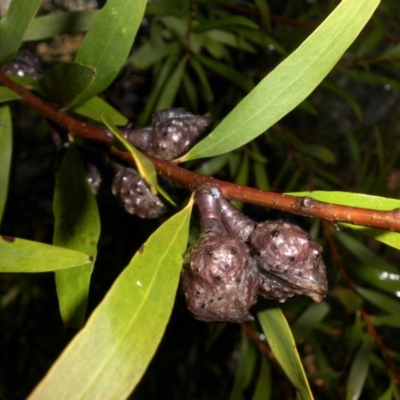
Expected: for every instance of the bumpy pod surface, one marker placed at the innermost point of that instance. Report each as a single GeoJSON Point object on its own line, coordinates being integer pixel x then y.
{"type": "Point", "coordinates": [219, 278]}
{"type": "Point", "coordinates": [25, 64]}
{"type": "Point", "coordinates": [135, 195]}
{"type": "Point", "coordinates": [289, 260]}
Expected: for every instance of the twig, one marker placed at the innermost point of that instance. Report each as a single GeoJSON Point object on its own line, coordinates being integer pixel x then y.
{"type": "Point", "coordinates": [306, 206]}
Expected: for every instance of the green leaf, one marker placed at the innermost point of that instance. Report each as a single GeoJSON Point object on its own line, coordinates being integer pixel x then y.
{"type": "Point", "coordinates": [280, 339]}
{"type": "Point", "coordinates": [96, 106]}
{"type": "Point", "coordinates": [77, 227]}
{"type": "Point", "coordinates": [245, 368]}
{"type": "Point", "coordinates": [144, 165]}
{"type": "Point", "coordinates": [358, 372]}
{"type": "Point", "coordinates": [363, 201]}
{"type": "Point", "coordinates": [384, 302]}
{"type": "Point", "coordinates": [229, 21]}
{"type": "Point", "coordinates": [20, 255]}
{"type": "Point", "coordinates": [107, 43]}
{"type": "Point", "coordinates": [309, 319]}
{"type": "Point", "coordinates": [171, 88]}
{"type": "Point", "coordinates": [7, 94]}
{"type": "Point", "coordinates": [148, 54]}
{"type": "Point", "coordinates": [121, 336]}
{"type": "Point", "coordinates": [6, 147]}
{"type": "Point", "coordinates": [386, 320]}
{"type": "Point", "coordinates": [290, 83]}
{"type": "Point", "coordinates": [59, 23]}
{"type": "Point", "coordinates": [13, 26]}
{"type": "Point", "coordinates": [264, 384]}
{"type": "Point", "coordinates": [227, 72]}
{"type": "Point", "coordinates": [64, 82]}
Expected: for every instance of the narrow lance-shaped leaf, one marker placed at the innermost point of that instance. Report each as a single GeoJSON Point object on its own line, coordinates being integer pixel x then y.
{"type": "Point", "coordinates": [107, 43]}
{"type": "Point", "coordinates": [5, 155]}
{"type": "Point", "coordinates": [290, 83]}
{"type": "Point", "coordinates": [7, 94]}
{"type": "Point", "coordinates": [279, 337]}
{"type": "Point", "coordinates": [20, 255]}
{"type": "Point", "coordinates": [77, 227]}
{"type": "Point", "coordinates": [143, 164]}
{"type": "Point", "coordinates": [123, 333]}
{"type": "Point", "coordinates": [13, 26]}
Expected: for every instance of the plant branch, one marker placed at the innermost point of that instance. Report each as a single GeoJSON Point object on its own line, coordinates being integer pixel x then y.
{"type": "Point", "coordinates": [306, 206]}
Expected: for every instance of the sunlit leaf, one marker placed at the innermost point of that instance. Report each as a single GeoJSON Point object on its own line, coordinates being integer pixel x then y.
{"type": "Point", "coordinates": [358, 372]}
{"type": "Point", "coordinates": [64, 82]}
{"type": "Point", "coordinates": [59, 23]}
{"type": "Point", "coordinates": [13, 25]}
{"type": "Point", "coordinates": [7, 94]}
{"type": "Point", "coordinates": [77, 227]}
{"type": "Point", "coordinates": [6, 145]}
{"type": "Point", "coordinates": [20, 255]}
{"type": "Point", "coordinates": [123, 333]}
{"type": "Point", "coordinates": [107, 43]}
{"type": "Point", "coordinates": [281, 341]}
{"type": "Point", "coordinates": [290, 83]}
{"type": "Point", "coordinates": [363, 201]}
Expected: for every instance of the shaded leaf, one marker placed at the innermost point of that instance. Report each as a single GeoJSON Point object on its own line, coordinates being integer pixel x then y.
{"type": "Point", "coordinates": [64, 82]}
{"type": "Point", "coordinates": [280, 339]}
{"type": "Point", "coordinates": [96, 106]}
{"type": "Point", "coordinates": [50, 25]}
{"type": "Point", "coordinates": [229, 21]}
{"type": "Point", "coordinates": [123, 333]}
{"type": "Point", "coordinates": [77, 227]}
{"type": "Point", "coordinates": [264, 384]}
{"type": "Point", "coordinates": [13, 25]}
{"type": "Point", "coordinates": [358, 372]}
{"type": "Point", "coordinates": [350, 300]}
{"type": "Point", "coordinates": [6, 146]}
{"type": "Point", "coordinates": [384, 302]}
{"type": "Point", "coordinates": [107, 43]}
{"type": "Point", "coordinates": [7, 94]}
{"type": "Point", "coordinates": [148, 54]}
{"type": "Point", "coordinates": [20, 255]}
{"type": "Point", "coordinates": [290, 83]}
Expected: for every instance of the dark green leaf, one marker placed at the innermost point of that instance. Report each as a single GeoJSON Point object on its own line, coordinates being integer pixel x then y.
{"type": "Point", "coordinates": [7, 94]}
{"type": "Point", "coordinates": [384, 302]}
{"type": "Point", "coordinates": [123, 333]}
{"type": "Point", "coordinates": [290, 83]}
{"type": "Point", "coordinates": [230, 21]}
{"type": "Point", "coordinates": [279, 337]}
{"type": "Point", "coordinates": [358, 372]}
{"type": "Point", "coordinates": [264, 384]}
{"type": "Point", "coordinates": [20, 255]}
{"type": "Point", "coordinates": [77, 227]}
{"type": "Point", "coordinates": [6, 145]}
{"type": "Point", "coordinates": [64, 82]}
{"type": "Point", "coordinates": [107, 43]}
{"type": "Point", "coordinates": [13, 26]}
{"type": "Point", "coordinates": [59, 23]}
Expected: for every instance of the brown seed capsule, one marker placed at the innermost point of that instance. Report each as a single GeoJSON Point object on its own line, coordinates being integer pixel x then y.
{"type": "Point", "coordinates": [135, 194]}
{"type": "Point", "coordinates": [219, 278]}
{"type": "Point", "coordinates": [285, 253]}
{"type": "Point", "coordinates": [25, 64]}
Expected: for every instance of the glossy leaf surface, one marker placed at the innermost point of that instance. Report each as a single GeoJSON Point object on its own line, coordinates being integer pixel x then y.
{"type": "Point", "coordinates": [123, 333]}
{"type": "Point", "coordinates": [20, 255]}
{"type": "Point", "coordinates": [290, 83]}
{"type": "Point", "coordinates": [107, 43]}
{"type": "Point", "coordinates": [281, 341]}
{"type": "Point", "coordinates": [77, 227]}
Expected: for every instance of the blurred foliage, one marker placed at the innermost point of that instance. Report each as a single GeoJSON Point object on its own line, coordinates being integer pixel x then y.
{"type": "Point", "coordinates": [206, 56]}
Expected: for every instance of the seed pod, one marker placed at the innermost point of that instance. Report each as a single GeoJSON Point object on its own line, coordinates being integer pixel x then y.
{"type": "Point", "coordinates": [140, 137]}
{"type": "Point", "coordinates": [135, 194]}
{"type": "Point", "coordinates": [286, 254]}
{"type": "Point", "coordinates": [25, 64]}
{"type": "Point", "coordinates": [235, 222]}
{"type": "Point", "coordinates": [219, 278]}
{"type": "Point", "coordinates": [175, 130]}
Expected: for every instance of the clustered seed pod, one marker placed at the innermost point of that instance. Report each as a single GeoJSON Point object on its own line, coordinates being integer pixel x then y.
{"type": "Point", "coordinates": [135, 195]}
{"type": "Point", "coordinates": [171, 134]}
{"type": "Point", "coordinates": [219, 278]}
{"type": "Point", "coordinates": [280, 258]}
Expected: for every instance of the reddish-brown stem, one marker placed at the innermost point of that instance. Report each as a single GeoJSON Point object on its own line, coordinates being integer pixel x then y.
{"type": "Point", "coordinates": [306, 206]}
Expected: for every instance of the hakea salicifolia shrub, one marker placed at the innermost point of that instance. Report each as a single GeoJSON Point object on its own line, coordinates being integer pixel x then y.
{"type": "Point", "coordinates": [235, 259]}
{"type": "Point", "coordinates": [172, 133]}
